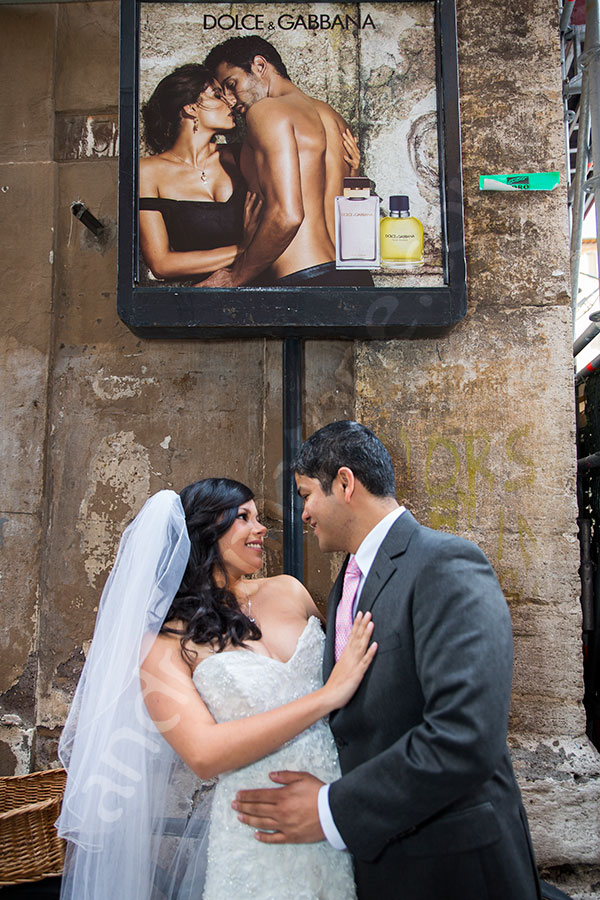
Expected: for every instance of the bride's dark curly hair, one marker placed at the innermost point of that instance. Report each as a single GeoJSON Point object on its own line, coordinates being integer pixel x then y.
{"type": "Point", "coordinates": [204, 602]}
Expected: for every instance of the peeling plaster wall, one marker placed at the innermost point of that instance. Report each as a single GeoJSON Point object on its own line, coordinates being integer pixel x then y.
{"type": "Point", "coordinates": [480, 422]}
{"type": "Point", "coordinates": [27, 200]}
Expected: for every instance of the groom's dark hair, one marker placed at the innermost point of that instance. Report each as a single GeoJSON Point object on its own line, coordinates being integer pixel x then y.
{"type": "Point", "coordinates": [240, 51]}
{"type": "Point", "coordinates": [348, 444]}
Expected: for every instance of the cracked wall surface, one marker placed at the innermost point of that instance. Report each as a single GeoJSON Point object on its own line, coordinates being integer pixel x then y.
{"type": "Point", "coordinates": [480, 422]}
{"type": "Point", "coordinates": [28, 196]}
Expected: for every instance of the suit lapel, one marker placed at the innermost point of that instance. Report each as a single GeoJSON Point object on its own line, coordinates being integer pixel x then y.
{"type": "Point", "coordinates": [393, 545]}
{"type": "Point", "coordinates": [379, 574]}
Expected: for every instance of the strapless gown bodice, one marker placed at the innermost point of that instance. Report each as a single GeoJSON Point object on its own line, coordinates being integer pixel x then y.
{"type": "Point", "coordinates": [241, 683]}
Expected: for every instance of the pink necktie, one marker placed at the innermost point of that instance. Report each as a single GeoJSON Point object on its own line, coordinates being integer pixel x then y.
{"type": "Point", "coordinates": [343, 616]}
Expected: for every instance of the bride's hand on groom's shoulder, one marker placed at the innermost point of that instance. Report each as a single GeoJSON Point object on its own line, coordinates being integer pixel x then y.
{"type": "Point", "coordinates": [350, 668]}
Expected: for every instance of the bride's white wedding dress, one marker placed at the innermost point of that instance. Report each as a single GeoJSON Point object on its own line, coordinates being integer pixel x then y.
{"type": "Point", "coordinates": [241, 683]}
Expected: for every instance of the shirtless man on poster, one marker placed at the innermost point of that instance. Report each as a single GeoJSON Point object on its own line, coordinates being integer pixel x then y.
{"type": "Point", "coordinates": [296, 153]}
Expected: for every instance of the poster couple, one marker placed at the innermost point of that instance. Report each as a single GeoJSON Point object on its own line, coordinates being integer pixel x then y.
{"type": "Point", "coordinates": [260, 213]}
{"type": "Point", "coordinates": [419, 695]}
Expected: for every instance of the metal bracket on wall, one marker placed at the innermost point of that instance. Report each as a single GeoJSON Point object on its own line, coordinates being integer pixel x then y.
{"type": "Point", "coordinates": [81, 212]}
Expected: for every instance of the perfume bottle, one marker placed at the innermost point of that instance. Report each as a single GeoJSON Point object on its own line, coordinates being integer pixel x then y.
{"type": "Point", "coordinates": [357, 226]}
{"type": "Point", "coordinates": [401, 236]}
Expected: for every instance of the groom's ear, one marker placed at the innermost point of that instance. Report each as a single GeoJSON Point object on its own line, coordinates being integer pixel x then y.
{"type": "Point", "coordinates": [347, 482]}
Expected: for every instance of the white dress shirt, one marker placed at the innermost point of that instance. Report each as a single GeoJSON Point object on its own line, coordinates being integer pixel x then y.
{"type": "Point", "coordinates": [364, 556]}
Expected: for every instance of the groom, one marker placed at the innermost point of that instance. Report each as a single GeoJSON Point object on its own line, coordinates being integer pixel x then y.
{"type": "Point", "coordinates": [427, 802]}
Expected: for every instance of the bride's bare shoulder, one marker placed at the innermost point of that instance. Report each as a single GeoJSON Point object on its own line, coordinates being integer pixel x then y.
{"type": "Point", "coordinates": [286, 583]}
{"type": "Point", "coordinates": [164, 651]}
{"type": "Point", "coordinates": [288, 587]}
{"type": "Point", "coordinates": [167, 650]}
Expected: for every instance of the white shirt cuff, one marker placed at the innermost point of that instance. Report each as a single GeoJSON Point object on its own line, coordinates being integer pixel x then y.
{"type": "Point", "coordinates": [326, 819]}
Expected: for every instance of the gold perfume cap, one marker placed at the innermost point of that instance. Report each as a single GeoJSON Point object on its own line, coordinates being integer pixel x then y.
{"type": "Point", "coordinates": [357, 187]}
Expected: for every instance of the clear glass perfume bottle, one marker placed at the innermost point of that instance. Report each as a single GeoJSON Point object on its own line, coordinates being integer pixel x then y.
{"type": "Point", "coordinates": [357, 226]}
{"type": "Point", "coordinates": [401, 236]}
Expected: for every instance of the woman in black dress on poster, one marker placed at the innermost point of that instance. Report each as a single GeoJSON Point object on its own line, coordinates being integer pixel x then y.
{"type": "Point", "coordinates": [195, 211]}
{"type": "Point", "coordinates": [196, 214]}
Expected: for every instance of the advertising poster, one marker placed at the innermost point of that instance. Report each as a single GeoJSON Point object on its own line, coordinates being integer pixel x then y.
{"type": "Point", "coordinates": [284, 151]}
{"type": "Point", "coordinates": [350, 91]}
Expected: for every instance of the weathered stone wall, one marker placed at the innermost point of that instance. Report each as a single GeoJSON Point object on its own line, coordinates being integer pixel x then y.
{"type": "Point", "coordinates": [28, 200]}
{"type": "Point", "coordinates": [480, 422]}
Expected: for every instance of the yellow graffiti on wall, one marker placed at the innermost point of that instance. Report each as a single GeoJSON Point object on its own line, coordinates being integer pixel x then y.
{"type": "Point", "coordinates": [461, 473]}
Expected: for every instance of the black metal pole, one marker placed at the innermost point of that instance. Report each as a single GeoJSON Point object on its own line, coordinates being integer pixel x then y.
{"type": "Point", "coordinates": [586, 573]}
{"type": "Point", "coordinates": [292, 439]}
{"type": "Point", "coordinates": [592, 366]}
{"type": "Point", "coordinates": [584, 339]}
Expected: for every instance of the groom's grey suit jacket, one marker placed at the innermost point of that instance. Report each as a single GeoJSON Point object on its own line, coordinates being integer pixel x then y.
{"type": "Point", "coordinates": [427, 803]}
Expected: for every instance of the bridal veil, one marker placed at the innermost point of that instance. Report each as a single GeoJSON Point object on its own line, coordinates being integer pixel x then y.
{"type": "Point", "coordinates": [134, 815]}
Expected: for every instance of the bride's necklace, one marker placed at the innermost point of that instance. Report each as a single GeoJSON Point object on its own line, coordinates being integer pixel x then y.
{"type": "Point", "coordinates": [248, 612]}
{"type": "Point", "coordinates": [186, 162]}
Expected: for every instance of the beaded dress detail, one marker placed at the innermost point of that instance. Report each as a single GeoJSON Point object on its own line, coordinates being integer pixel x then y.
{"type": "Point", "coordinates": [241, 683]}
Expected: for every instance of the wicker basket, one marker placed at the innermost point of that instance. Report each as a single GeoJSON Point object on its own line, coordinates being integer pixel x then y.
{"type": "Point", "coordinates": [30, 848]}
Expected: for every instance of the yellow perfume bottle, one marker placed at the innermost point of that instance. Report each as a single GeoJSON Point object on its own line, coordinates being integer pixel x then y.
{"type": "Point", "coordinates": [401, 236]}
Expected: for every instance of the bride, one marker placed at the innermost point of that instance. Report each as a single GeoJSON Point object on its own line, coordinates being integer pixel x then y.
{"type": "Point", "coordinates": [199, 681]}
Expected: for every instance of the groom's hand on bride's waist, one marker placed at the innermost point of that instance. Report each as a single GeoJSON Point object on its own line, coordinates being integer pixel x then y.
{"type": "Point", "coordinates": [285, 815]}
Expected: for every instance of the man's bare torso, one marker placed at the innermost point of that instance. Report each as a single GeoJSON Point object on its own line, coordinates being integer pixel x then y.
{"type": "Point", "coordinates": [317, 146]}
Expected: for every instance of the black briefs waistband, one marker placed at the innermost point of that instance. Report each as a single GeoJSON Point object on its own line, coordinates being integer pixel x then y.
{"type": "Point", "coordinates": [327, 274]}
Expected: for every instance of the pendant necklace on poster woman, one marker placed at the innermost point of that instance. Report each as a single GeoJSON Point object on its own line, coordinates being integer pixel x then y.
{"type": "Point", "coordinates": [186, 162]}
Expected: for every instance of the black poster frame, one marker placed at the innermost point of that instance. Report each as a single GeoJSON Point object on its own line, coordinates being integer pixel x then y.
{"type": "Point", "coordinates": [167, 311]}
